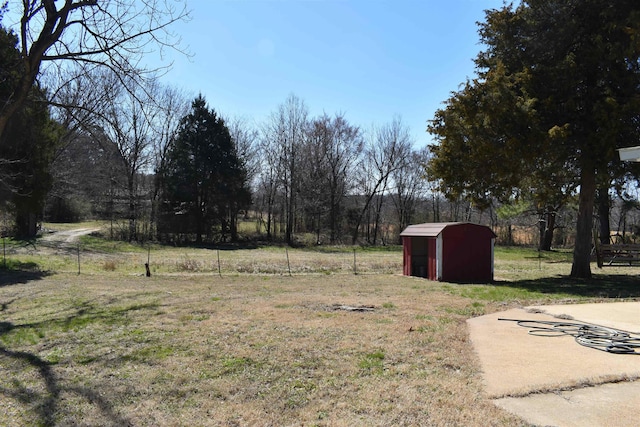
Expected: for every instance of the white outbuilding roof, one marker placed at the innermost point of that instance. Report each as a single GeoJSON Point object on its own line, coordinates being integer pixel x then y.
{"type": "Point", "coordinates": [429, 229]}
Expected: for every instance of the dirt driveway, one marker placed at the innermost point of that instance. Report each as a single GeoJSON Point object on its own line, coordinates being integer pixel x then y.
{"type": "Point", "coordinates": [67, 236]}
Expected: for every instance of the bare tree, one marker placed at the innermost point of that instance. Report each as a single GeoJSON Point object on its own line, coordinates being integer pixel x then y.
{"type": "Point", "coordinates": [135, 123]}
{"type": "Point", "coordinates": [410, 185]}
{"type": "Point", "coordinates": [87, 165]}
{"type": "Point", "coordinates": [332, 151]}
{"type": "Point", "coordinates": [169, 106]}
{"type": "Point", "coordinates": [384, 153]}
{"type": "Point", "coordinates": [128, 126]}
{"type": "Point", "coordinates": [55, 36]}
{"type": "Point", "coordinates": [80, 97]}
{"type": "Point", "coordinates": [314, 197]}
{"type": "Point", "coordinates": [284, 133]}
{"type": "Point", "coordinates": [268, 185]}
{"type": "Point", "coordinates": [83, 173]}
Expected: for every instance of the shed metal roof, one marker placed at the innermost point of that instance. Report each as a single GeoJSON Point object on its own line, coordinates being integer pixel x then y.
{"type": "Point", "coordinates": [433, 229]}
{"type": "Point", "coordinates": [429, 229]}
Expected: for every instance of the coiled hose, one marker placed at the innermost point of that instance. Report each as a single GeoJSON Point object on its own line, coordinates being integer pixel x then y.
{"type": "Point", "coordinates": [593, 336]}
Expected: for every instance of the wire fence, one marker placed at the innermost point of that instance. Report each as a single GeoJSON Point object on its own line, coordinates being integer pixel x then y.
{"type": "Point", "coordinates": [74, 258]}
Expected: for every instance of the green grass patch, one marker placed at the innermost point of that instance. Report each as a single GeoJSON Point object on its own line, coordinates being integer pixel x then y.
{"type": "Point", "coordinates": [521, 253]}
{"type": "Point", "coordinates": [299, 393]}
{"type": "Point", "coordinates": [347, 249]}
{"type": "Point", "coordinates": [80, 322]}
{"type": "Point", "coordinates": [372, 362]}
{"type": "Point", "coordinates": [85, 360]}
{"type": "Point", "coordinates": [386, 248]}
{"type": "Point", "coordinates": [14, 265]}
{"type": "Point", "coordinates": [152, 305]}
{"type": "Point", "coordinates": [66, 226]}
{"type": "Point", "coordinates": [151, 353]}
{"type": "Point", "coordinates": [54, 356]}
{"type": "Point", "coordinates": [31, 335]}
{"type": "Point", "coordinates": [99, 244]}
{"type": "Point", "coordinates": [474, 309]}
{"type": "Point", "coordinates": [22, 335]}
{"type": "Point", "coordinates": [498, 293]}
{"type": "Point", "coordinates": [233, 365]}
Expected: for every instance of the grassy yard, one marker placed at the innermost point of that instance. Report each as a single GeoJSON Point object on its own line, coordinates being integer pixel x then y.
{"type": "Point", "coordinates": [252, 344]}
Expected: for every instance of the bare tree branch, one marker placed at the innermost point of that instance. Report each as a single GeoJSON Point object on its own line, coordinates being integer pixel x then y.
{"type": "Point", "coordinates": [114, 34]}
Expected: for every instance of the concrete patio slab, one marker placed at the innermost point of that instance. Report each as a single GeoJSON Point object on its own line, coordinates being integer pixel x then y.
{"type": "Point", "coordinates": [606, 405]}
{"type": "Point", "coordinates": [554, 380]}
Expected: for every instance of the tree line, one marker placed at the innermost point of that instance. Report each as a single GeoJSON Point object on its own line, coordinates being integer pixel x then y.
{"type": "Point", "coordinates": [113, 142]}
{"type": "Point", "coordinates": [84, 130]}
{"type": "Point", "coordinates": [93, 141]}
{"type": "Point", "coordinates": [187, 173]}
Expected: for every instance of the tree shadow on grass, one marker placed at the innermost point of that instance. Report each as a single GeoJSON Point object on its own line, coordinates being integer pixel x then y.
{"type": "Point", "coordinates": [20, 273]}
{"type": "Point", "coordinates": [44, 402]}
{"type": "Point", "coordinates": [600, 286]}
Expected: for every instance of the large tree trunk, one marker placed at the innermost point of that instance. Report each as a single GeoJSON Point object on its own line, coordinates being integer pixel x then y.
{"type": "Point", "coordinates": [604, 206]}
{"type": "Point", "coordinates": [233, 222]}
{"type": "Point", "coordinates": [333, 217]}
{"type": "Point", "coordinates": [132, 207]}
{"type": "Point", "coordinates": [290, 220]}
{"type": "Point", "coordinates": [376, 221]}
{"type": "Point", "coordinates": [581, 267]}
{"type": "Point", "coordinates": [547, 226]}
{"type": "Point", "coordinates": [26, 225]}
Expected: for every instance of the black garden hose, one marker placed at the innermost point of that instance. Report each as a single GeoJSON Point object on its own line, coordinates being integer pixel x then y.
{"type": "Point", "coordinates": [593, 336]}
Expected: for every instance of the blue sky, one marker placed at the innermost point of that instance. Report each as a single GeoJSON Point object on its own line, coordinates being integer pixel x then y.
{"type": "Point", "coordinates": [369, 59]}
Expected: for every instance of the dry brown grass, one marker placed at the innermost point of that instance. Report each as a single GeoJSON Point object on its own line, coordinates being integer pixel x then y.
{"type": "Point", "coordinates": [252, 345]}
{"type": "Point", "coordinates": [109, 349]}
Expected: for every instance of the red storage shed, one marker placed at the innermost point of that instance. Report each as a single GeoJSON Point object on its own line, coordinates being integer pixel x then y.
{"type": "Point", "coordinates": [448, 251]}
